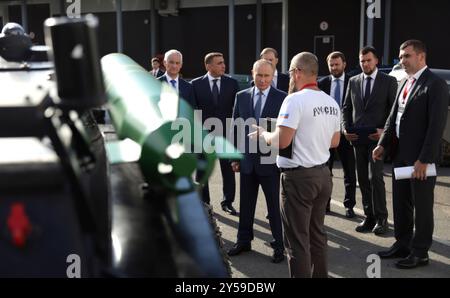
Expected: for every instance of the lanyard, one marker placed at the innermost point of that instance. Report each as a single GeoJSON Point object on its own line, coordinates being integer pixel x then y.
{"type": "Point", "coordinates": [308, 85]}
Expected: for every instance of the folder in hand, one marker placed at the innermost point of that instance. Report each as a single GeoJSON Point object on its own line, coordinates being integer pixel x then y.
{"type": "Point", "coordinates": [406, 172]}
{"type": "Point", "coordinates": [271, 124]}
{"type": "Point", "coordinates": [363, 133]}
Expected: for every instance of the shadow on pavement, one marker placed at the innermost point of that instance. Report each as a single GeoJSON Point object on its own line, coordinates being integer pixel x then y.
{"type": "Point", "coordinates": [347, 257]}
{"type": "Point", "coordinates": [256, 265]}
{"type": "Point", "coordinates": [234, 223]}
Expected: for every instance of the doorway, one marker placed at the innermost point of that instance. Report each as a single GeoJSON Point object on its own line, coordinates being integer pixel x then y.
{"type": "Point", "coordinates": [323, 46]}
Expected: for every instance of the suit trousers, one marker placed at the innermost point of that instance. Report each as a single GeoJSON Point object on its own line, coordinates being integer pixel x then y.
{"type": "Point", "coordinates": [413, 197]}
{"type": "Point", "coordinates": [371, 183]}
{"type": "Point", "coordinates": [304, 196]}
{"type": "Point", "coordinates": [228, 184]}
{"type": "Point", "coordinates": [248, 195]}
{"type": "Point", "coordinates": [347, 157]}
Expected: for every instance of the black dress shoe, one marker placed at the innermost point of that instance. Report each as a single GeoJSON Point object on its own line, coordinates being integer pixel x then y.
{"type": "Point", "coordinates": [278, 255]}
{"type": "Point", "coordinates": [381, 227]}
{"type": "Point", "coordinates": [349, 213]}
{"type": "Point", "coordinates": [411, 262]}
{"type": "Point", "coordinates": [238, 248]}
{"type": "Point", "coordinates": [395, 251]}
{"type": "Point", "coordinates": [365, 226]}
{"type": "Point", "coordinates": [229, 209]}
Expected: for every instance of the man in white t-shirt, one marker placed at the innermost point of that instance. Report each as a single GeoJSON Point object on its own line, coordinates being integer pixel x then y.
{"type": "Point", "coordinates": [307, 126]}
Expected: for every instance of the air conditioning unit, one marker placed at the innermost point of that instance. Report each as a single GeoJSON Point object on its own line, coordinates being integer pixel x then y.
{"type": "Point", "coordinates": [168, 7]}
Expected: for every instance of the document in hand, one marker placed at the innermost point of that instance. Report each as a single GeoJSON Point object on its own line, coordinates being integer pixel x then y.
{"type": "Point", "coordinates": [406, 172]}
{"type": "Point", "coordinates": [363, 133]}
{"type": "Point", "coordinates": [271, 124]}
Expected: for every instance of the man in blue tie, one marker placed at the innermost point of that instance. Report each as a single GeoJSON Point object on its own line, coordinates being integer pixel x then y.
{"type": "Point", "coordinates": [258, 103]}
{"type": "Point", "coordinates": [335, 85]}
{"type": "Point", "coordinates": [173, 61]}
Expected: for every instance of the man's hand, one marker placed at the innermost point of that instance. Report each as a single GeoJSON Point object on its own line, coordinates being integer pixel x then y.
{"type": "Point", "coordinates": [420, 170]}
{"type": "Point", "coordinates": [259, 132]}
{"type": "Point", "coordinates": [377, 153]}
{"type": "Point", "coordinates": [350, 136]}
{"type": "Point", "coordinates": [280, 138]}
{"type": "Point", "coordinates": [377, 135]}
{"type": "Point", "coordinates": [235, 166]}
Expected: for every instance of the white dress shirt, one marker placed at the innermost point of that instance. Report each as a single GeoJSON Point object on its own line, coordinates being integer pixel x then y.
{"type": "Point", "coordinates": [401, 103]}
{"type": "Point", "coordinates": [372, 82]}
{"type": "Point", "coordinates": [211, 83]}
{"type": "Point", "coordinates": [275, 79]}
{"type": "Point", "coordinates": [168, 79]}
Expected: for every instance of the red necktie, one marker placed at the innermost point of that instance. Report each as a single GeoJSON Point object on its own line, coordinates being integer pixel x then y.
{"type": "Point", "coordinates": [407, 89]}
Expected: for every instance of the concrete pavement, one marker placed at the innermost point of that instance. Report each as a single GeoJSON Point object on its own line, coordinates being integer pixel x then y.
{"type": "Point", "coordinates": [347, 249]}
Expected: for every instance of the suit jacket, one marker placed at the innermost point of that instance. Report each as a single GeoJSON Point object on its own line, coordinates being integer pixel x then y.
{"type": "Point", "coordinates": [204, 98]}
{"type": "Point", "coordinates": [422, 123]}
{"type": "Point", "coordinates": [243, 108]}
{"type": "Point", "coordinates": [282, 82]}
{"type": "Point", "coordinates": [159, 74]}
{"type": "Point", "coordinates": [185, 89]}
{"type": "Point", "coordinates": [324, 84]}
{"type": "Point", "coordinates": [373, 113]}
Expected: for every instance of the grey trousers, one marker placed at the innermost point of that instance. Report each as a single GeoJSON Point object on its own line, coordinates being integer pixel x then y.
{"type": "Point", "coordinates": [304, 196]}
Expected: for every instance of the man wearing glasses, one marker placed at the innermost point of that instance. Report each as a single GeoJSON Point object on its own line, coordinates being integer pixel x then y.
{"type": "Point", "coordinates": [309, 123]}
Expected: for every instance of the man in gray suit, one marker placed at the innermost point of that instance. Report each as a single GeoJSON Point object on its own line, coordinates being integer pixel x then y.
{"type": "Point", "coordinates": [367, 105]}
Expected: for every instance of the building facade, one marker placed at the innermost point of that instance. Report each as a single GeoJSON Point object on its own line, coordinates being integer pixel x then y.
{"type": "Point", "coordinates": [143, 28]}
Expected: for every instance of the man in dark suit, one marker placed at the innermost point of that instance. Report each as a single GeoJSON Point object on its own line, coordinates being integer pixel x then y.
{"type": "Point", "coordinates": [414, 130]}
{"type": "Point", "coordinates": [156, 71]}
{"type": "Point", "coordinates": [367, 104]}
{"type": "Point", "coordinates": [280, 80]}
{"type": "Point", "coordinates": [173, 61]}
{"type": "Point", "coordinates": [258, 103]}
{"type": "Point", "coordinates": [335, 85]}
{"type": "Point", "coordinates": [215, 93]}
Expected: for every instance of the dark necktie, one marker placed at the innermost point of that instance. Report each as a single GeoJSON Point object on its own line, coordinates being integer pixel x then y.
{"type": "Point", "coordinates": [258, 106]}
{"type": "Point", "coordinates": [174, 84]}
{"type": "Point", "coordinates": [337, 91]}
{"type": "Point", "coordinates": [367, 91]}
{"type": "Point", "coordinates": [215, 92]}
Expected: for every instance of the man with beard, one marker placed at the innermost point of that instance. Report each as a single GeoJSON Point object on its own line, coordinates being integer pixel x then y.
{"type": "Point", "coordinates": [335, 85]}
{"type": "Point", "coordinates": [367, 105]}
{"type": "Point", "coordinates": [309, 123]}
